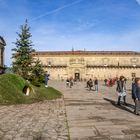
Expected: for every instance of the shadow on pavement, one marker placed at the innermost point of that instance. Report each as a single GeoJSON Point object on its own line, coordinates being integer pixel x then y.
{"type": "Point", "coordinates": [90, 89]}
{"type": "Point", "coordinates": [129, 107]}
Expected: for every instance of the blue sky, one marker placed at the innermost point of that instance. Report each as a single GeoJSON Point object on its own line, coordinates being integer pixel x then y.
{"type": "Point", "coordinates": [63, 24]}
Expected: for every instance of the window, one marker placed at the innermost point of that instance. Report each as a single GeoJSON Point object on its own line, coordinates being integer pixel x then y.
{"type": "Point", "coordinates": [133, 75]}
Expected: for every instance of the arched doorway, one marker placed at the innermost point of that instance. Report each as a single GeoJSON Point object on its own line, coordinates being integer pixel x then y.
{"type": "Point", "coordinates": [77, 74]}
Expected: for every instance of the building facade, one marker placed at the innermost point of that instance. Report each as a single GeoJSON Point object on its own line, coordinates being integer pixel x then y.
{"type": "Point", "coordinates": [2, 47]}
{"type": "Point", "coordinates": [90, 64]}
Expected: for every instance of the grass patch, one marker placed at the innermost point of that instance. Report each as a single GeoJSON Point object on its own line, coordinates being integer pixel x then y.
{"type": "Point", "coordinates": [11, 87]}
{"type": "Point", "coordinates": [46, 93]}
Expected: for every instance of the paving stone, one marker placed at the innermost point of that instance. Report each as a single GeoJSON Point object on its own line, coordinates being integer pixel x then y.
{"type": "Point", "coordinates": [36, 121]}
{"type": "Point", "coordinates": [8, 137]}
{"type": "Point", "coordinates": [89, 115]}
{"type": "Point", "coordinates": [95, 116]}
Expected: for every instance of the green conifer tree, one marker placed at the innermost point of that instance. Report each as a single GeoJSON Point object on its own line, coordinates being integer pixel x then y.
{"type": "Point", "coordinates": [22, 53]}
{"type": "Point", "coordinates": [38, 71]}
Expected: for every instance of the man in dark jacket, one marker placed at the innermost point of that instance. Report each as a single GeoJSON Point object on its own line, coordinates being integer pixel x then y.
{"type": "Point", "coordinates": [136, 94]}
{"type": "Point", "coordinates": [134, 81]}
{"type": "Point", "coordinates": [96, 84]}
{"type": "Point", "coordinates": [90, 84]}
{"type": "Point", "coordinates": [46, 79]}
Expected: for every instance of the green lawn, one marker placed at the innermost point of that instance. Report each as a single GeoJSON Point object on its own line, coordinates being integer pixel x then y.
{"type": "Point", "coordinates": [11, 87]}
{"type": "Point", "coordinates": [46, 93]}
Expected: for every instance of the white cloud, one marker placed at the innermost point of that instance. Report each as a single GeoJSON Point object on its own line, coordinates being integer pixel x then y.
{"type": "Point", "coordinates": [48, 40]}
{"type": "Point", "coordinates": [138, 1]}
{"type": "Point", "coordinates": [56, 10]}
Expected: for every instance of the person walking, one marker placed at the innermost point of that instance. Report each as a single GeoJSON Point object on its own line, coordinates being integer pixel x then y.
{"type": "Point", "coordinates": [121, 89]}
{"type": "Point", "coordinates": [96, 84]}
{"type": "Point", "coordinates": [136, 94]}
{"type": "Point", "coordinates": [111, 82]}
{"type": "Point", "coordinates": [71, 82]}
{"type": "Point", "coordinates": [108, 83]}
{"type": "Point", "coordinates": [46, 79]}
{"type": "Point", "coordinates": [105, 81]}
{"type": "Point", "coordinates": [88, 84]}
{"type": "Point", "coordinates": [67, 82]}
{"type": "Point", "coordinates": [134, 81]}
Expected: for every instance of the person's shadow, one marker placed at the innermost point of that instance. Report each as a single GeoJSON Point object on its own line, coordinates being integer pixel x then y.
{"type": "Point", "coordinates": [88, 89]}
{"type": "Point", "coordinates": [129, 107]}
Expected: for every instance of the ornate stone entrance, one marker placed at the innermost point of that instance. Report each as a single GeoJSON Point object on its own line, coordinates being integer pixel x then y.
{"type": "Point", "coordinates": [77, 76]}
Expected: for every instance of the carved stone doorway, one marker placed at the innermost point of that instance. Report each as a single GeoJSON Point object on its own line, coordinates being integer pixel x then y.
{"type": "Point", "coordinates": [77, 76]}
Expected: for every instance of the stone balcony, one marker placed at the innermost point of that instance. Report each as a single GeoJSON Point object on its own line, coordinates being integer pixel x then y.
{"type": "Point", "coordinates": [113, 66]}
{"type": "Point", "coordinates": [56, 66]}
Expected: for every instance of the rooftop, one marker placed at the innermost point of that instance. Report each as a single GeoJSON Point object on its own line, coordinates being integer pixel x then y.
{"type": "Point", "coordinates": [85, 52]}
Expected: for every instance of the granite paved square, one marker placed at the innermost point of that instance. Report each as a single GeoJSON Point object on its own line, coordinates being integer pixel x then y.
{"type": "Point", "coordinates": [95, 116]}
{"type": "Point", "coordinates": [80, 114]}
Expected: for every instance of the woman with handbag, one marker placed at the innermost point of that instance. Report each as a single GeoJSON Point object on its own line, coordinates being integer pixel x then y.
{"type": "Point", "coordinates": [121, 90]}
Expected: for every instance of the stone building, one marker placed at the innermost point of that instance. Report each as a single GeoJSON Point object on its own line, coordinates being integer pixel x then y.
{"type": "Point", "coordinates": [2, 47]}
{"type": "Point", "coordinates": [90, 64]}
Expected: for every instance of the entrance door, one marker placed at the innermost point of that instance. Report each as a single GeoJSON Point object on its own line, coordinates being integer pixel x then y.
{"type": "Point", "coordinates": [77, 76]}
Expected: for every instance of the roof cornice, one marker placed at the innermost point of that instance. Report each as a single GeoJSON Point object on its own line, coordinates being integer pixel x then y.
{"type": "Point", "coordinates": [86, 53]}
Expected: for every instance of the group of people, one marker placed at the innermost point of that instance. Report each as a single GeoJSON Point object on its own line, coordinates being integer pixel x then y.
{"type": "Point", "coordinates": [69, 82]}
{"type": "Point", "coordinates": [92, 83]}
{"type": "Point", "coordinates": [121, 90]}
{"type": "Point", "coordinates": [110, 82]}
